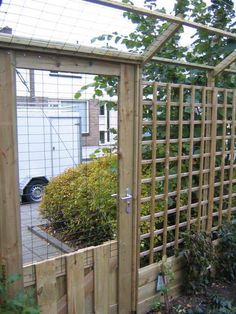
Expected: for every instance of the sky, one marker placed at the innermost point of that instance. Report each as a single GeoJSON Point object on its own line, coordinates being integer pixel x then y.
{"type": "Point", "coordinates": [71, 21]}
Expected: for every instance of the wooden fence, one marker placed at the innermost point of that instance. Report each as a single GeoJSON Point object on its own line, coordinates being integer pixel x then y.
{"type": "Point", "coordinates": [85, 282]}
{"type": "Point", "coordinates": [80, 282]}
{"type": "Point", "coordinates": [188, 167]}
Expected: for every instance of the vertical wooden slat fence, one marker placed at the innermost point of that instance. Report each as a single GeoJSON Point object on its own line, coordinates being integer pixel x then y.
{"type": "Point", "coordinates": [79, 282]}
{"type": "Point", "coordinates": [46, 286]}
{"type": "Point", "coordinates": [75, 283]}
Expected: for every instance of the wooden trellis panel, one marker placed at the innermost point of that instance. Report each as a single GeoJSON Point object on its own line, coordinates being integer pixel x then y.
{"type": "Point", "coordinates": [188, 167]}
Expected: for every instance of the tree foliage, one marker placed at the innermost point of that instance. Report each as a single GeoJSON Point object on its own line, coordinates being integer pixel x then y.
{"type": "Point", "coordinates": [206, 48]}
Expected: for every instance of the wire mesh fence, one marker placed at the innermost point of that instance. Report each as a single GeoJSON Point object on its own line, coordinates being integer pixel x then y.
{"type": "Point", "coordinates": [67, 163]}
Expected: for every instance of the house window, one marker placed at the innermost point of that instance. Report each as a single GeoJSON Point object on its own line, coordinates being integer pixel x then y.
{"type": "Point", "coordinates": [102, 137]}
{"type": "Point", "coordinates": [102, 110]}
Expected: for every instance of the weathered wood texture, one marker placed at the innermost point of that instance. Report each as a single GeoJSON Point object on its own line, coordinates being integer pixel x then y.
{"type": "Point", "coordinates": [160, 41]}
{"type": "Point", "coordinates": [83, 282]}
{"type": "Point", "coordinates": [10, 235]}
{"type": "Point", "coordinates": [19, 43]}
{"type": "Point", "coordinates": [129, 90]}
{"type": "Point", "coordinates": [188, 165]}
{"type": "Point", "coordinates": [86, 281]}
{"type": "Point", "coordinates": [148, 281]}
{"type": "Point", "coordinates": [225, 63]}
{"type": "Point", "coordinates": [74, 64]}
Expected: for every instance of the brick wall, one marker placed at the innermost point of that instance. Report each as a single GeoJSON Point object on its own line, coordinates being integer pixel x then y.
{"type": "Point", "coordinates": [92, 138]}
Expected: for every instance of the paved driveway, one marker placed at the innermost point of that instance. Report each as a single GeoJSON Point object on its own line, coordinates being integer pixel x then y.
{"type": "Point", "coordinates": [33, 247]}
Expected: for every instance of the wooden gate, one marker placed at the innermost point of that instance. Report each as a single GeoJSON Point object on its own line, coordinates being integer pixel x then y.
{"type": "Point", "coordinates": [94, 279]}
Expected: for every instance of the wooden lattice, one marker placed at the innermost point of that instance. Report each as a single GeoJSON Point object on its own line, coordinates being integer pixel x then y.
{"type": "Point", "coordinates": [188, 168]}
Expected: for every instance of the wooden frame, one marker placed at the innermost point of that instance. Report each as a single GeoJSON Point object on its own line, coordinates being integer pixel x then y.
{"type": "Point", "coordinates": [10, 228]}
{"type": "Point", "coordinates": [162, 16]}
{"type": "Point", "coordinates": [160, 42]}
{"type": "Point", "coordinates": [128, 114]}
{"type": "Point", "coordinates": [204, 195]}
{"type": "Point", "coordinates": [35, 54]}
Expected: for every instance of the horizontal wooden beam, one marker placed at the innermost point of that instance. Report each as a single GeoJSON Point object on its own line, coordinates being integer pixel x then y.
{"type": "Point", "coordinates": [43, 61]}
{"type": "Point", "coordinates": [189, 64]}
{"type": "Point", "coordinates": [225, 63]}
{"type": "Point", "coordinates": [61, 48]}
{"type": "Point", "coordinates": [162, 16]}
{"type": "Point", "coordinates": [160, 41]}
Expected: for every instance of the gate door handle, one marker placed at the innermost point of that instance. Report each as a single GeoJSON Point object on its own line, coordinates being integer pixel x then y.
{"type": "Point", "coordinates": [127, 198]}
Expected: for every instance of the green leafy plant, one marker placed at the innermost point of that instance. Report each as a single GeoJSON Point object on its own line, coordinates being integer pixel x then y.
{"type": "Point", "coordinates": [157, 306]}
{"type": "Point", "coordinates": [220, 305]}
{"type": "Point", "coordinates": [199, 256]}
{"type": "Point", "coordinates": [226, 252]}
{"type": "Point", "coordinates": [215, 304]}
{"type": "Point", "coordinates": [179, 309]}
{"type": "Point", "coordinates": [20, 303]}
{"type": "Point", "coordinates": [78, 203]}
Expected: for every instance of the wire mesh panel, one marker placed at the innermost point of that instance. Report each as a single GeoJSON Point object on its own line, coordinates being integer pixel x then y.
{"type": "Point", "coordinates": [188, 168]}
{"type": "Point", "coordinates": [67, 163]}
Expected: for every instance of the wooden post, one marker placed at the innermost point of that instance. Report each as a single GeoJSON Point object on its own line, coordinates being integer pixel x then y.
{"type": "Point", "coordinates": [207, 163]}
{"type": "Point", "coordinates": [10, 235]}
{"type": "Point", "coordinates": [127, 222]}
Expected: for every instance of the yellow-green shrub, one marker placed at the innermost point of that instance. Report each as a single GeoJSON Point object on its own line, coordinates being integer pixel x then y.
{"type": "Point", "coordinates": [78, 202]}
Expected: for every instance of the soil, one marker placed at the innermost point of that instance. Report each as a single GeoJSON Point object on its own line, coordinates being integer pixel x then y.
{"type": "Point", "coordinates": [224, 290]}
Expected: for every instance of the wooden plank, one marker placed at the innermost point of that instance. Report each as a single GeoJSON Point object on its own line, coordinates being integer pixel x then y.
{"type": "Point", "coordinates": [137, 157]}
{"type": "Point", "coordinates": [149, 273]}
{"type": "Point", "coordinates": [62, 305]}
{"type": "Point", "coordinates": [201, 174]}
{"type": "Point", "coordinates": [190, 170]}
{"type": "Point", "coordinates": [46, 286]}
{"type": "Point", "coordinates": [149, 289]}
{"type": "Point", "coordinates": [75, 283]}
{"type": "Point", "coordinates": [212, 161]}
{"type": "Point", "coordinates": [166, 171]}
{"type": "Point", "coordinates": [153, 179]}
{"type": "Point", "coordinates": [232, 156]}
{"type": "Point", "coordinates": [101, 279]}
{"type": "Point", "coordinates": [144, 306]}
{"type": "Point", "coordinates": [162, 16]}
{"type": "Point", "coordinates": [207, 148]}
{"type": "Point", "coordinates": [220, 67]}
{"type": "Point", "coordinates": [222, 172]}
{"type": "Point", "coordinates": [126, 221]}
{"type": "Point", "coordinates": [113, 287]}
{"type": "Point", "coordinates": [188, 64]}
{"type": "Point", "coordinates": [179, 166]}
{"type": "Point", "coordinates": [160, 41]}
{"type": "Point", "coordinates": [61, 48]}
{"type": "Point", "coordinates": [43, 61]}
{"type": "Point", "coordinates": [29, 272]}
{"type": "Point", "coordinates": [10, 233]}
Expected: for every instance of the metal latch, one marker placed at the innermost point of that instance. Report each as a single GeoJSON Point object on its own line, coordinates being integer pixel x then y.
{"type": "Point", "coordinates": [127, 198]}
